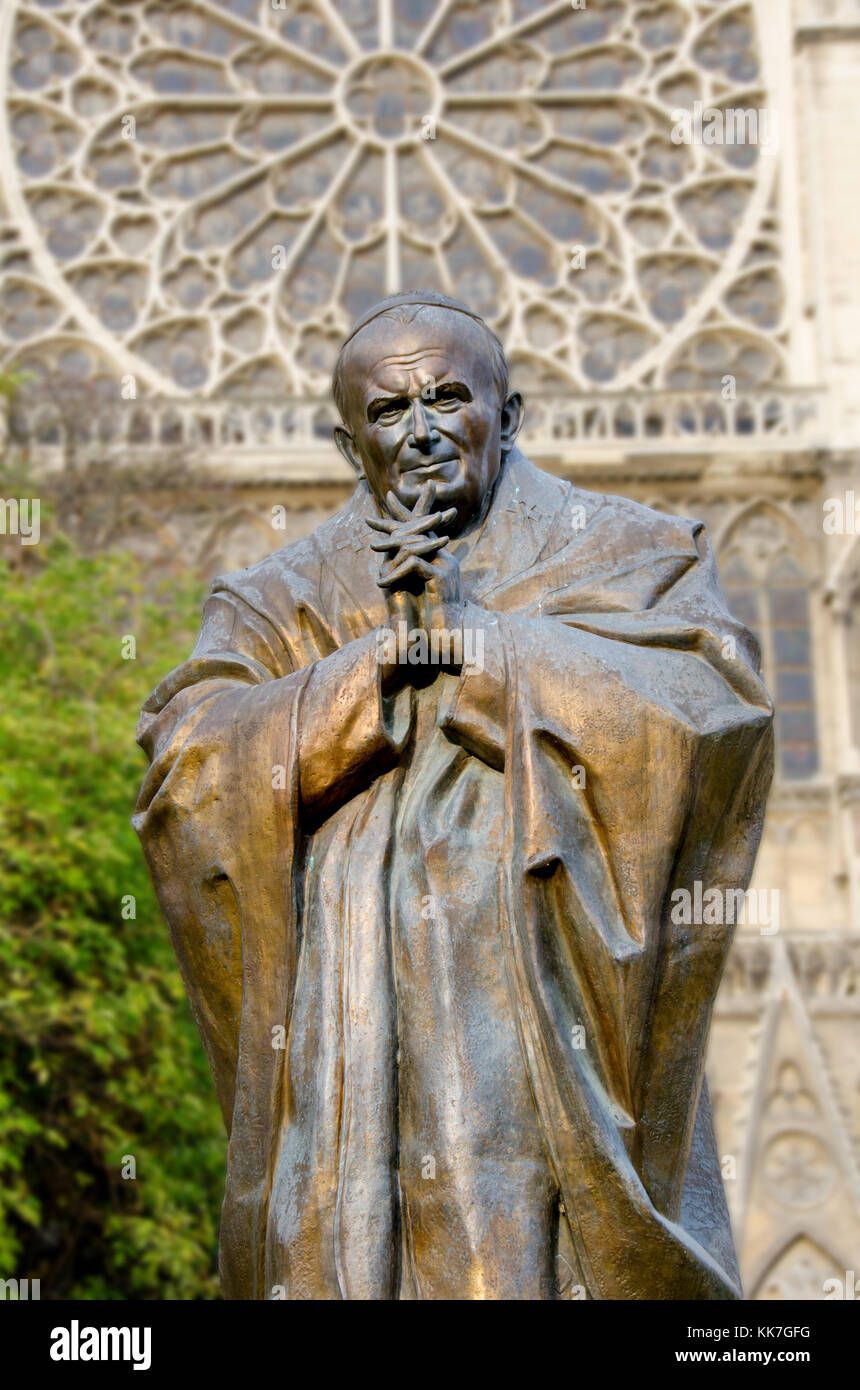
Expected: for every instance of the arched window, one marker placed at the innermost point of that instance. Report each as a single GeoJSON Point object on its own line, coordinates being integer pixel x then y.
{"type": "Point", "coordinates": [768, 591]}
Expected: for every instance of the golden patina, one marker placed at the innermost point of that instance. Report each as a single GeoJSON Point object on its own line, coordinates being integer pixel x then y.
{"type": "Point", "coordinates": [419, 806]}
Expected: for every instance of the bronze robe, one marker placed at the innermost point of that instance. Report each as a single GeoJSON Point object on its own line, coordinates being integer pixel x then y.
{"type": "Point", "coordinates": [399, 920]}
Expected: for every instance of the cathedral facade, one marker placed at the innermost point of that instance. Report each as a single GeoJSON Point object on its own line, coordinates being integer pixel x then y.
{"type": "Point", "coordinates": [654, 203]}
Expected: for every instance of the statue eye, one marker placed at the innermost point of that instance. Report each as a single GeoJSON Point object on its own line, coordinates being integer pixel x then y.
{"type": "Point", "coordinates": [390, 409]}
{"type": "Point", "coordinates": [448, 398]}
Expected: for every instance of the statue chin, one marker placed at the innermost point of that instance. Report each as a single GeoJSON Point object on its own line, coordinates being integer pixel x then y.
{"type": "Point", "coordinates": [461, 484]}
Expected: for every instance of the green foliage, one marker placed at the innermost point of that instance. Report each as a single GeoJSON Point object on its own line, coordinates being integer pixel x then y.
{"type": "Point", "coordinates": [99, 1056]}
{"type": "Point", "coordinates": [11, 383]}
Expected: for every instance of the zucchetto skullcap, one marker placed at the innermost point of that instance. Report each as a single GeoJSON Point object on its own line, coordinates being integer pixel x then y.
{"type": "Point", "coordinates": [432, 299]}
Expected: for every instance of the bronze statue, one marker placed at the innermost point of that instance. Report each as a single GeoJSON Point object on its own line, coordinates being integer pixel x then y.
{"type": "Point", "coordinates": [419, 804]}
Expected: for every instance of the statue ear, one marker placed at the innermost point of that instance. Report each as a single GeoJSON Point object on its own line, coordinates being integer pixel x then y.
{"type": "Point", "coordinates": [346, 444]}
{"type": "Point", "coordinates": [512, 419]}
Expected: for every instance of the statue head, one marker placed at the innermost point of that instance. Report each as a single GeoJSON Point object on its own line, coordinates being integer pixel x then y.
{"type": "Point", "coordinates": [421, 384]}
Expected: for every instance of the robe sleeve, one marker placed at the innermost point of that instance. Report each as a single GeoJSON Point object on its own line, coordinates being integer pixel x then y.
{"type": "Point", "coordinates": [248, 740]}
{"type": "Point", "coordinates": [349, 731]}
{"type": "Point", "coordinates": [243, 750]}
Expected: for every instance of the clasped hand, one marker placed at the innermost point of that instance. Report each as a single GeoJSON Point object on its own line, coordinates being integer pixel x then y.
{"type": "Point", "coordinates": [420, 576]}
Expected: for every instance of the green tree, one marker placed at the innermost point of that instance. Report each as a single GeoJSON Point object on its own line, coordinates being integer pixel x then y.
{"type": "Point", "coordinates": [99, 1056]}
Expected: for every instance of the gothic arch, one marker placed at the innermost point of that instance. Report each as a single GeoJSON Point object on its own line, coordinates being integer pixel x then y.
{"type": "Point", "coordinates": [132, 527]}
{"type": "Point", "coordinates": [766, 568]}
{"type": "Point", "coordinates": [223, 542]}
{"type": "Point", "coordinates": [796, 1268]}
{"type": "Point", "coordinates": [781, 517]}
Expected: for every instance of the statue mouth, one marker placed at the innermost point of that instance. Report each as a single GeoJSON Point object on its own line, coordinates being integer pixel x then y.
{"type": "Point", "coordinates": [430, 464]}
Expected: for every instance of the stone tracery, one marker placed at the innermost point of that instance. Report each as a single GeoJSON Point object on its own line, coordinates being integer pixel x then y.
{"type": "Point", "coordinates": [384, 142]}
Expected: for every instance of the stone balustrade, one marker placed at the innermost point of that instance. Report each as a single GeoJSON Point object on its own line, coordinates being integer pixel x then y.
{"type": "Point", "coordinates": [291, 438]}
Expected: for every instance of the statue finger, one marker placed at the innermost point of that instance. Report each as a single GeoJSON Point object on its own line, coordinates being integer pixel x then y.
{"type": "Point", "coordinates": [413, 565]}
{"type": "Point", "coordinates": [396, 507]}
{"type": "Point", "coordinates": [419, 525]}
{"type": "Point", "coordinates": [411, 545]}
{"type": "Point", "coordinates": [423, 545]}
{"type": "Point", "coordinates": [431, 522]}
{"type": "Point", "coordinates": [401, 531]}
{"type": "Point", "coordinates": [426, 498]}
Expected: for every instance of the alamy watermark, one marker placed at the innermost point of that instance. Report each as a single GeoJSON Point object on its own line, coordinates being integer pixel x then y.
{"type": "Point", "coordinates": [76, 1343]}
{"type": "Point", "coordinates": [463, 647]}
{"type": "Point", "coordinates": [730, 125]}
{"type": "Point", "coordinates": [20, 1290]}
{"type": "Point", "coordinates": [713, 907]}
{"type": "Point", "coordinates": [847, 1288]}
{"type": "Point", "coordinates": [21, 517]}
{"type": "Point", "coordinates": [842, 515]}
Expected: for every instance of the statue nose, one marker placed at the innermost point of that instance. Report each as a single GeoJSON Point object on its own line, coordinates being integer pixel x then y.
{"type": "Point", "coordinates": [422, 435]}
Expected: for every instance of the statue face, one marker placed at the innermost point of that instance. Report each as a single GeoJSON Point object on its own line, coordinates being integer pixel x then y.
{"type": "Point", "coordinates": [421, 403]}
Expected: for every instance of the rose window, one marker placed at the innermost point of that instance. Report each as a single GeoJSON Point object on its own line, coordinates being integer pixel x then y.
{"type": "Point", "coordinates": [205, 193]}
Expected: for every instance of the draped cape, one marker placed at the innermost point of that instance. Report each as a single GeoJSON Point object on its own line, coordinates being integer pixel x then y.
{"type": "Point", "coordinates": [621, 705]}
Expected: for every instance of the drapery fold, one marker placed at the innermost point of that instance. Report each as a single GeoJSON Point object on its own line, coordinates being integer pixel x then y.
{"type": "Point", "coordinates": [621, 1206]}
{"type": "Point", "coordinates": [620, 705]}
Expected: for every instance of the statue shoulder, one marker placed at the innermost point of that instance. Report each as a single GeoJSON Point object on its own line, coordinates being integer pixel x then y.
{"type": "Point", "coordinates": [639, 525]}
{"type": "Point", "coordinates": [627, 525]}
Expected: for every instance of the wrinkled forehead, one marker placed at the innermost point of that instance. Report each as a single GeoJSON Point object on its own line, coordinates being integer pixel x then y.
{"type": "Point", "coordinates": [440, 343]}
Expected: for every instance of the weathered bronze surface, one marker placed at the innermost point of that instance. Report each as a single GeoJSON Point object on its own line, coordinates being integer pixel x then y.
{"type": "Point", "coordinates": [418, 805]}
